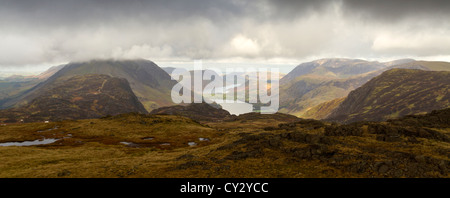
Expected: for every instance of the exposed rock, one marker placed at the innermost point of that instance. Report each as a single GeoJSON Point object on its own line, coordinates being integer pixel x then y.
{"type": "Point", "coordinates": [383, 169]}
{"type": "Point", "coordinates": [64, 173]}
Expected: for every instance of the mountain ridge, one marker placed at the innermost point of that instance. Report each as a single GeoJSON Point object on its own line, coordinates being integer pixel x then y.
{"type": "Point", "coordinates": [149, 82]}
{"type": "Point", "coordinates": [79, 97]}
{"type": "Point", "coordinates": [395, 93]}
{"type": "Point", "coordinates": [305, 92]}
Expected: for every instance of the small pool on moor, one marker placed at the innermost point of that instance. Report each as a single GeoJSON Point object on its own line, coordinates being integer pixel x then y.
{"type": "Point", "coordinates": [30, 143]}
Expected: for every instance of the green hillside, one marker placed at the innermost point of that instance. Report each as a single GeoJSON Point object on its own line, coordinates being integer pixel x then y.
{"type": "Point", "coordinates": [324, 109]}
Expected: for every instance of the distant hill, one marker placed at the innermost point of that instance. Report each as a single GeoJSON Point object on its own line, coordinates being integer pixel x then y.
{"type": "Point", "coordinates": [79, 97]}
{"type": "Point", "coordinates": [399, 62]}
{"type": "Point", "coordinates": [15, 86]}
{"type": "Point", "coordinates": [150, 83]}
{"type": "Point", "coordinates": [322, 110]}
{"type": "Point", "coordinates": [204, 82]}
{"type": "Point", "coordinates": [49, 72]}
{"type": "Point", "coordinates": [19, 78]}
{"type": "Point", "coordinates": [168, 70]}
{"type": "Point", "coordinates": [195, 111]}
{"type": "Point", "coordinates": [395, 93]}
{"type": "Point", "coordinates": [424, 65]}
{"type": "Point", "coordinates": [42, 76]}
{"type": "Point", "coordinates": [332, 68]}
{"type": "Point", "coordinates": [9, 90]}
{"type": "Point", "coordinates": [313, 83]}
{"type": "Point", "coordinates": [309, 91]}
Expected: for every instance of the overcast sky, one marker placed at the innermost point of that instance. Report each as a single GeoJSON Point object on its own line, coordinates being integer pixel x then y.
{"type": "Point", "coordinates": [41, 33]}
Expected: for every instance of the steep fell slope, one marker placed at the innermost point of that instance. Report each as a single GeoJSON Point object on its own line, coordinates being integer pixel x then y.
{"type": "Point", "coordinates": [150, 83]}
{"type": "Point", "coordinates": [395, 93]}
{"type": "Point", "coordinates": [79, 97]}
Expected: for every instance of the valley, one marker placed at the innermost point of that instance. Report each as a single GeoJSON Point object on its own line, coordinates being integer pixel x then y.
{"type": "Point", "coordinates": [212, 97]}
{"type": "Point", "coordinates": [338, 118]}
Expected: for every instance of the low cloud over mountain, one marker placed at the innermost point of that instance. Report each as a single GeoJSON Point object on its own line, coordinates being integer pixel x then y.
{"type": "Point", "coordinates": [53, 32]}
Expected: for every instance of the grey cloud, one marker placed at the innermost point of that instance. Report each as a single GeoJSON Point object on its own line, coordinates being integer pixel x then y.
{"type": "Point", "coordinates": [32, 32]}
{"type": "Point", "coordinates": [397, 10]}
{"type": "Point", "coordinates": [73, 12]}
{"type": "Point", "coordinates": [45, 13]}
{"type": "Point", "coordinates": [298, 8]}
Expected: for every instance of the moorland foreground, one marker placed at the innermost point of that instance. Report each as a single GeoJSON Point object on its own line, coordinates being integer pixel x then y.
{"type": "Point", "coordinates": [249, 145]}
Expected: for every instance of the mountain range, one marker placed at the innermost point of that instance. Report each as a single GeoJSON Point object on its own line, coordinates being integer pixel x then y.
{"type": "Point", "coordinates": [108, 118]}
{"type": "Point", "coordinates": [321, 89]}
{"type": "Point", "coordinates": [311, 85]}
{"type": "Point", "coordinates": [149, 82]}
{"type": "Point", "coordinates": [79, 97]}
{"type": "Point", "coordinates": [393, 94]}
